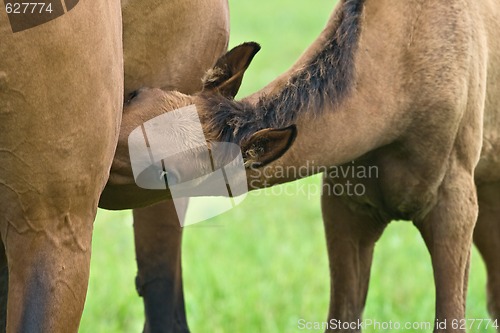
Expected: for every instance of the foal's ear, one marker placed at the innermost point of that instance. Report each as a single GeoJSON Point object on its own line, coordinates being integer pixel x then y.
{"type": "Point", "coordinates": [228, 72]}
{"type": "Point", "coordinates": [267, 145]}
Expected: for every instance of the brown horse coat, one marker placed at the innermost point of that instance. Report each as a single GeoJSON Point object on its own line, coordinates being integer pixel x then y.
{"type": "Point", "coordinates": [408, 87]}
{"type": "Point", "coordinates": [61, 93]}
{"type": "Point", "coordinates": [168, 45]}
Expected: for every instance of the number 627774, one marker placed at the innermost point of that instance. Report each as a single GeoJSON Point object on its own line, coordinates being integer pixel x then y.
{"type": "Point", "coordinates": [28, 8]}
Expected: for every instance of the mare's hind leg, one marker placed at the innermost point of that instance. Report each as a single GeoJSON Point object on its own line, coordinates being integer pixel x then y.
{"type": "Point", "coordinates": [60, 116]}
{"type": "Point", "coordinates": [48, 267]}
{"type": "Point", "coordinates": [350, 240]}
{"type": "Point", "coordinates": [487, 240]}
{"type": "Point", "coordinates": [4, 285]}
{"type": "Point", "coordinates": [158, 237]}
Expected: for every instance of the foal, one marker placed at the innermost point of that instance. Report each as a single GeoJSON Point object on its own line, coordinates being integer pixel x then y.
{"type": "Point", "coordinates": [406, 87]}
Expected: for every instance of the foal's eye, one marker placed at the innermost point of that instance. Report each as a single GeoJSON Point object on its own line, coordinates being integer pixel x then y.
{"type": "Point", "coordinates": [131, 96]}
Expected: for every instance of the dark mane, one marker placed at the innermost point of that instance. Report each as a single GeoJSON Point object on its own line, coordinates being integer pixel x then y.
{"type": "Point", "coordinates": [327, 78]}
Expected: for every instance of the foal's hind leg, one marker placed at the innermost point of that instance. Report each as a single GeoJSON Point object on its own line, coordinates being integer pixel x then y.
{"type": "Point", "coordinates": [158, 237]}
{"type": "Point", "coordinates": [487, 240]}
{"type": "Point", "coordinates": [350, 240]}
{"type": "Point", "coordinates": [447, 231]}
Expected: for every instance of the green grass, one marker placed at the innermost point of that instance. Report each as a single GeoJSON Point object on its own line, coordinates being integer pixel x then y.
{"type": "Point", "coordinates": [262, 266]}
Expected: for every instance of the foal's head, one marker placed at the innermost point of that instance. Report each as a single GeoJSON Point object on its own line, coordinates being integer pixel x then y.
{"type": "Point", "coordinates": [222, 119]}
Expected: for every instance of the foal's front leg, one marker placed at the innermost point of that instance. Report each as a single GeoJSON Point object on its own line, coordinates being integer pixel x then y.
{"type": "Point", "coordinates": [447, 231]}
{"type": "Point", "coordinates": [350, 240]}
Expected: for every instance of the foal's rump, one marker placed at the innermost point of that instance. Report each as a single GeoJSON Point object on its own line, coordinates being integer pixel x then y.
{"type": "Point", "coordinates": [488, 169]}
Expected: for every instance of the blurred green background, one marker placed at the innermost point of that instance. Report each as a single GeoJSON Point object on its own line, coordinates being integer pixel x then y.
{"type": "Point", "coordinates": [262, 266]}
